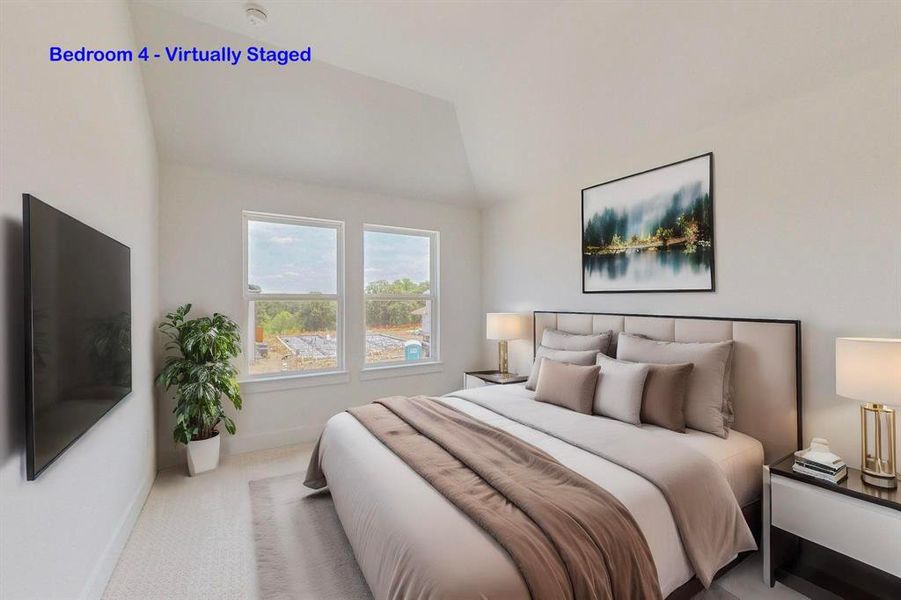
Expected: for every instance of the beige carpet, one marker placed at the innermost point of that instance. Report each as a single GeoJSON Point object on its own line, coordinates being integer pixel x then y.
{"type": "Point", "coordinates": [301, 549]}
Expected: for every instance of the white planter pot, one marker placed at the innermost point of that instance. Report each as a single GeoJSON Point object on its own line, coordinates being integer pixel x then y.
{"type": "Point", "coordinates": [203, 455]}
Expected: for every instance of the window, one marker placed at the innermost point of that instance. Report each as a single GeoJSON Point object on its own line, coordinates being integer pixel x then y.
{"type": "Point", "coordinates": [400, 278]}
{"type": "Point", "coordinates": [294, 287]}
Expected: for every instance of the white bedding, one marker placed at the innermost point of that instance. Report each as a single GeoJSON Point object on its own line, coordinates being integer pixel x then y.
{"type": "Point", "coordinates": [397, 523]}
{"type": "Point", "coordinates": [739, 457]}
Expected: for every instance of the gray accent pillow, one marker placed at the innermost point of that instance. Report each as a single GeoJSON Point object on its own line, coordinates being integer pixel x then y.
{"type": "Point", "coordinates": [563, 340]}
{"type": "Point", "coordinates": [663, 401]}
{"type": "Point", "coordinates": [575, 357]}
{"type": "Point", "coordinates": [620, 388]}
{"type": "Point", "coordinates": [707, 399]}
{"type": "Point", "coordinates": [567, 385]}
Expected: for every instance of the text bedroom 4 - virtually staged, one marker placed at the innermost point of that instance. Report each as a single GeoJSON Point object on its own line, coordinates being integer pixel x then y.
{"type": "Point", "coordinates": [500, 300]}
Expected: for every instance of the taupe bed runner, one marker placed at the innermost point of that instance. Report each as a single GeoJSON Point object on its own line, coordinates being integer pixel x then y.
{"type": "Point", "coordinates": [569, 538]}
{"type": "Point", "coordinates": [705, 510]}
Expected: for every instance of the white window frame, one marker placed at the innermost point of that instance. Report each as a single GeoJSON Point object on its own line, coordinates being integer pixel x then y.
{"type": "Point", "coordinates": [433, 296]}
{"type": "Point", "coordinates": [251, 297]}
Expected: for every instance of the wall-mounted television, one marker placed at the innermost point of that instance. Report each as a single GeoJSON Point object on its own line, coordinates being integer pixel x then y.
{"type": "Point", "coordinates": [77, 329]}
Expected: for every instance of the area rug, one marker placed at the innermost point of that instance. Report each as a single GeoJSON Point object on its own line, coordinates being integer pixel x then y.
{"type": "Point", "coordinates": [301, 549]}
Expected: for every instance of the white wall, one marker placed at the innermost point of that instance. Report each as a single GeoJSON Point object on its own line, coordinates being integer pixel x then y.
{"type": "Point", "coordinates": [78, 137]}
{"type": "Point", "coordinates": [201, 262]}
{"type": "Point", "coordinates": [808, 209]}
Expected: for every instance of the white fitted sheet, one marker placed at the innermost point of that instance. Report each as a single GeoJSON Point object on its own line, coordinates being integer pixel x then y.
{"type": "Point", "coordinates": [739, 456]}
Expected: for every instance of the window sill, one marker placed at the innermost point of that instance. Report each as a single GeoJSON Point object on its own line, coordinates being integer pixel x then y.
{"type": "Point", "coordinates": [277, 383]}
{"type": "Point", "coordinates": [400, 370]}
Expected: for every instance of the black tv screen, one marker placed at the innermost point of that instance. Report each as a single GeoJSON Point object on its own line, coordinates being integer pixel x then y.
{"type": "Point", "coordinates": [77, 329]}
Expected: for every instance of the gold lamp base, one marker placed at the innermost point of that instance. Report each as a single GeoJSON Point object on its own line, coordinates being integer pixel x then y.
{"type": "Point", "coordinates": [877, 450]}
{"type": "Point", "coordinates": [502, 357]}
{"type": "Point", "coordinates": [886, 483]}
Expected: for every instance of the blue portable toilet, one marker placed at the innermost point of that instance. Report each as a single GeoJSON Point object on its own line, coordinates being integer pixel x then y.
{"type": "Point", "coordinates": [412, 350]}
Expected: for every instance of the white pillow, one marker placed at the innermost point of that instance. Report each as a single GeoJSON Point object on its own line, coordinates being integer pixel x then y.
{"type": "Point", "coordinates": [620, 389]}
{"type": "Point", "coordinates": [573, 357]}
{"type": "Point", "coordinates": [708, 399]}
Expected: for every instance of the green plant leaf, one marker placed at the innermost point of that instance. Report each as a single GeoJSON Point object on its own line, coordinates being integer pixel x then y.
{"type": "Point", "coordinates": [200, 369]}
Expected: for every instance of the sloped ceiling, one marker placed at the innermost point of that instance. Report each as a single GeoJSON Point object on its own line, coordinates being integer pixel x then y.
{"type": "Point", "coordinates": [314, 122]}
{"type": "Point", "coordinates": [525, 88]}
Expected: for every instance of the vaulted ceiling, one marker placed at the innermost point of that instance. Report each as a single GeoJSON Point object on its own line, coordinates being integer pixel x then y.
{"type": "Point", "coordinates": [478, 102]}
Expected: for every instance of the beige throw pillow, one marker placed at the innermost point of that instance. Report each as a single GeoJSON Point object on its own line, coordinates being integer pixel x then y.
{"type": "Point", "coordinates": [567, 385]}
{"type": "Point", "coordinates": [562, 340]}
{"type": "Point", "coordinates": [620, 388]}
{"type": "Point", "coordinates": [707, 401]}
{"type": "Point", "coordinates": [576, 357]}
{"type": "Point", "coordinates": [663, 401]}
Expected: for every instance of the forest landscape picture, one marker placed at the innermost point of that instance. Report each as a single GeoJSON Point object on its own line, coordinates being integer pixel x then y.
{"type": "Point", "coordinates": [652, 231]}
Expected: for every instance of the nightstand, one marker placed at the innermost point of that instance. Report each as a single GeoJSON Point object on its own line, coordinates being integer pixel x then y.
{"type": "Point", "coordinates": [474, 379]}
{"type": "Point", "coordinates": [843, 538]}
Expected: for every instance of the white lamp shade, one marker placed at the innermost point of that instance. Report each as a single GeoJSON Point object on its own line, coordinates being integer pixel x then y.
{"type": "Point", "coordinates": [504, 326]}
{"type": "Point", "coordinates": [868, 369]}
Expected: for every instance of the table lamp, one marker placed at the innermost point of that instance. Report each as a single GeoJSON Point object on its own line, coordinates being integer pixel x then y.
{"type": "Point", "coordinates": [503, 327]}
{"type": "Point", "coordinates": [869, 369]}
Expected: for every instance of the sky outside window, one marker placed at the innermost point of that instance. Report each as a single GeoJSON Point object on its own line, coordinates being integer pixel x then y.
{"type": "Point", "coordinates": [292, 259]}
{"type": "Point", "coordinates": [393, 256]}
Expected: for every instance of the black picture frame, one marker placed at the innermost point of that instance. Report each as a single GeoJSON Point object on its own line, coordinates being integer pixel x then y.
{"type": "Point", "coordinates": [712, 286]}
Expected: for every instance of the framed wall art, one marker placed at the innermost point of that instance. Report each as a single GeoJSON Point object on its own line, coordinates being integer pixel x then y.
{"type": "Point", "coordinates": [651, 231]}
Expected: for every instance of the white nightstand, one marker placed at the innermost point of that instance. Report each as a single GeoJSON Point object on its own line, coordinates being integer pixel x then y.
{"type": "Point", "coordinates": [475, 379]}
{"type": "Point", "coordinates": [844, 538]}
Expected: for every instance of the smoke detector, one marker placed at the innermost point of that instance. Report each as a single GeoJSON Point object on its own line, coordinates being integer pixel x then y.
{"type": "Point", "coordinates": [256, 14]}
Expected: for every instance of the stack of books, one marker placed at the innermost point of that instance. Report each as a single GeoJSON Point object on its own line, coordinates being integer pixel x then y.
{"type": "Point", "coordinates": [825, 466]}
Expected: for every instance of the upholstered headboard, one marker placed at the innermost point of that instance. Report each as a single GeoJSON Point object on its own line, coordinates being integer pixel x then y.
{"type": "Point", "coordinates": [766, 363]}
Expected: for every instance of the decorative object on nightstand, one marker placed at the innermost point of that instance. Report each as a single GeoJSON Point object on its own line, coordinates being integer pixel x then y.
{"type": "Point", "coordinates": [504, 327]}
{"type": "Point", "coordinates": [818, 461]}
{"type": "Point", "coordinates": [474, 379]}
{"type": "Point", "coordinates": [869, 369]}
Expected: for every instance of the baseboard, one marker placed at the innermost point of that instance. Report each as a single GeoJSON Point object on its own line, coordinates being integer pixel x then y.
{"type": "Point", "coordinates": [99, 578]}
{"type": "Point", "coordinates": [239, 444]}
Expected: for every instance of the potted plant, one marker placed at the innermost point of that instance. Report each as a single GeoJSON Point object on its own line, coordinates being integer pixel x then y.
{"type": "Point", "coordinates": [202, 373]}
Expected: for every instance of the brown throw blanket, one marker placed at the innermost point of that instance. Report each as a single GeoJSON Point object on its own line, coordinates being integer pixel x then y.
{"type": "Point", "coordinates": [569, 538]}
{"type": "Point", "coordinates": [710, 522]}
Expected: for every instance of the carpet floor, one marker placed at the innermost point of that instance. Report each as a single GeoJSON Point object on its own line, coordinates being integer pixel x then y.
{"type": "Point", "coordinates": [301, 549]}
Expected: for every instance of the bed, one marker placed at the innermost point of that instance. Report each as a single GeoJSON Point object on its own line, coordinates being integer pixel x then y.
{"type": "Point", "coordinates": [411, 542]}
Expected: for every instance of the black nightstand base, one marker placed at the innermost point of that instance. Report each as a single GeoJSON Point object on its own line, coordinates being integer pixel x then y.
{"type": "Point", "coordinates": [823, 574]}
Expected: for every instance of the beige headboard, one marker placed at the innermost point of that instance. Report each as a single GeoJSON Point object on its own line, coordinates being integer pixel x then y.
{"type": "Point", "coordinates": [766, 364]}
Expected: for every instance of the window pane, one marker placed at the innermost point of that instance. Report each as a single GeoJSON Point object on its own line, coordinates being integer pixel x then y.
{"type": "Point", "coordinates": [293, 336]}
{"type": "Point", "coordinates": [398, 330]}
{"type": "Point", "coordinates": [394, 260]}
{"type": "Point", "coordinates": [291, 259]}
